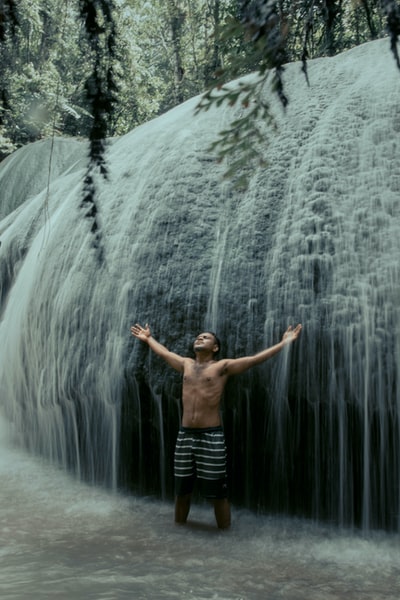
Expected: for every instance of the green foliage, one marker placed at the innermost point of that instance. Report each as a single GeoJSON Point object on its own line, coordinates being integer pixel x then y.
{"type": "Point", "coordinates": [164, 52]}
{"type": "Point", "coordinates": [42, 74]}
{"type": "Point", "coordinates": [262, 37]}
{"type": "Point", "coordinates": [242, 144]}
{"type": "Point", "coordinates": [50, 41]}
{"type": "Point", "coordinates": [392, 11]}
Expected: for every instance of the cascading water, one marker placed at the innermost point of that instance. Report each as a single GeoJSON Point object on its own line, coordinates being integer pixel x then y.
{"type": "Point", "coordinates": [315, 239]}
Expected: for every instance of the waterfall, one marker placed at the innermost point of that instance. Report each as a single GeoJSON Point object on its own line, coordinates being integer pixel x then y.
{"type": "Point", "coordinates": [315, 239]}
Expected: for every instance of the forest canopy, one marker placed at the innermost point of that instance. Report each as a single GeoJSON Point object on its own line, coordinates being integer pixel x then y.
{"type": "Point", "coordinates": [96, 68]}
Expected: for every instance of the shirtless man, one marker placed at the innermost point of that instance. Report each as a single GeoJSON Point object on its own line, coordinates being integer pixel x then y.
{"type": "Point", "coordinates": [200, 449]}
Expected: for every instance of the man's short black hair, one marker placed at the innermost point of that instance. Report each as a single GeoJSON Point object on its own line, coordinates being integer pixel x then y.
{"type": "Point", "coordinates": [216, 341]}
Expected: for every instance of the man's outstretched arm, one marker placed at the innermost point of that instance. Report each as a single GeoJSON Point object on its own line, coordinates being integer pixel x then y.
{"type": "Point", "coordinates": [144, 334]}
{"type": "Point", "coordinates": [236, 366]}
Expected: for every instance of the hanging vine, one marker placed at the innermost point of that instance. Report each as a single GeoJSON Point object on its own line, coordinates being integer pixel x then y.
{"type": "Point", "coordinates": [101, 90]}
{"type": "Point", "coordinates": [392, 11]}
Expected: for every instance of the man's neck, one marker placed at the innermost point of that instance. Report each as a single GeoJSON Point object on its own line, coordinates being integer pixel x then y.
{"type": "Point", "coordinates": [203, 358]}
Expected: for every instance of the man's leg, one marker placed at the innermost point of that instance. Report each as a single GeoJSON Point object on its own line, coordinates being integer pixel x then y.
{"type": "Point", "coordinates": [222, 511]}
{"type": "Point", "coordinates": [211, 473]}
{"type": "Point", "coordinates": [184, 472]}
{"type": "Point", "coordinates": [182, 507]}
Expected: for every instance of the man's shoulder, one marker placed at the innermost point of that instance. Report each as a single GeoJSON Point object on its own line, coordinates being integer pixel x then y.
{"type": "Point", "coordinates": [222, 365]}
{"type": "Point", "coordinates": [187, 360]}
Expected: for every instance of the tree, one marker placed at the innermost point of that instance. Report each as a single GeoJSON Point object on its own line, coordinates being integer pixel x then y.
{"type": "Point", "coordinates": [42, 68]}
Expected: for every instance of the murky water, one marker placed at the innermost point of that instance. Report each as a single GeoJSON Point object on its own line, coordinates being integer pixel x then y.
{"type": "Point", "coordinates": [60, 538]}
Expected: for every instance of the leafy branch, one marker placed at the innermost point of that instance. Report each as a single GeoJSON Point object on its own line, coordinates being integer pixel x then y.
{"type": "Point", "coordinates": [241, 144]}
{"type": "Point", "coordinates": [258, 35]}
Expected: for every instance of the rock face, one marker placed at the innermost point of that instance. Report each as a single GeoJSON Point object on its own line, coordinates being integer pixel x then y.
{"type": "Point", "coordinates": [34, 167]}
{"type": "Point", "coordinates": [315, 239]}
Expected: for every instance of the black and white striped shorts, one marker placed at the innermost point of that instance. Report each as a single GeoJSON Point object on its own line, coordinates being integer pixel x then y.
{"type": "Point", "coordinates": [201, 454]}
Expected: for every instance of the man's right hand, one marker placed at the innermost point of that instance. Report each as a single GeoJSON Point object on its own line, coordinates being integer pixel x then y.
{"type": "Point", "coordinates": [142, 333]}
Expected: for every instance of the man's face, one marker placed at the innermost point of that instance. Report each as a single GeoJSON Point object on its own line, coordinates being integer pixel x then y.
{"type": "Point", "coordinates": [205, 341]}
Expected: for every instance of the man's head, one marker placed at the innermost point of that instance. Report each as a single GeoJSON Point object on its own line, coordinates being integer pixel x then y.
{"type": "Point", "coordinates": [207, 341]}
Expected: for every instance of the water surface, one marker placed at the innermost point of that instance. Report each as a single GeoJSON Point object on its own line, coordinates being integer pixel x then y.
{"type": "Point", "coordinates": [61, 539]}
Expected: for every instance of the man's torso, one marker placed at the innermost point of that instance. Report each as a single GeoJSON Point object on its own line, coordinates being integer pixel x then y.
{"type": "Point", "coordinates": [203, 385]}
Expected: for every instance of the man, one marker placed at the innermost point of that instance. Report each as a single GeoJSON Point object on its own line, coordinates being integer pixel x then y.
{"type": "Point", "coordinates": [200, 447]}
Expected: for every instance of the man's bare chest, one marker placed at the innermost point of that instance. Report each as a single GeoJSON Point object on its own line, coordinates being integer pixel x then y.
{"type": "Point", "coordinates": [204, 375]}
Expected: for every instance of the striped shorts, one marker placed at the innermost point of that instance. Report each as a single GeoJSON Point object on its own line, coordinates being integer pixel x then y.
{"type": "Point", "coordinates": [201, 454]}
